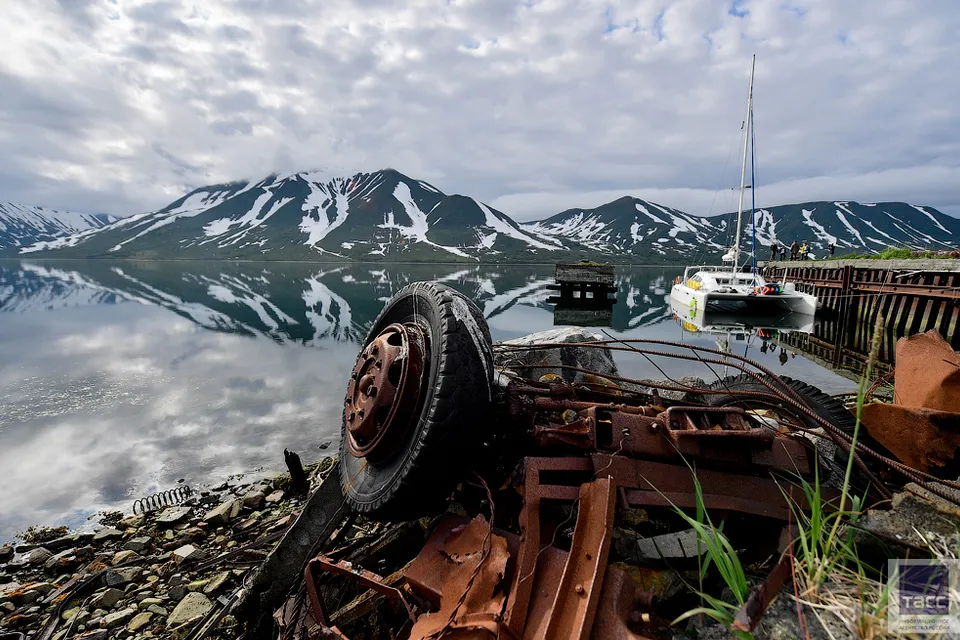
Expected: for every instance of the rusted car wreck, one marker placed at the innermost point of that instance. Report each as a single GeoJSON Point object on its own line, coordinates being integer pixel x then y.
{"type": "Point", "coordinates": [529, 490]}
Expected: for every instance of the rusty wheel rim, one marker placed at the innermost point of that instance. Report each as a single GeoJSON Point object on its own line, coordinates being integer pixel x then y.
{"type": "Point", "coordinates": [383, 394]}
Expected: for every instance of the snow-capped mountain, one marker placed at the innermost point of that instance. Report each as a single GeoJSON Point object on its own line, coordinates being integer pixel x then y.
{"type": "Point", "coordinates": [855, 227]}
{"type": "Point", "coordinates": [379, 215]}
{"type": "Point", "coordinates": [23, 225]}
{"type": "Point", "coordinates": [387, 216]}
{"type": "Point", "coordinates": [630, 226]}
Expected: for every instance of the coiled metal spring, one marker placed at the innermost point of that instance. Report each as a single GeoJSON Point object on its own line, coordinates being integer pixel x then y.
{"type": "Point", "coordinates": [162, 499]}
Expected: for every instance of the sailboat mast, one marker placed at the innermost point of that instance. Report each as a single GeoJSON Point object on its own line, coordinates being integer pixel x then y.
{"type": "Point", "coordinates": [743, 171]}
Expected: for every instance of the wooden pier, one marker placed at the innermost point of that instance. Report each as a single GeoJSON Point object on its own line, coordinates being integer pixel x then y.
{"type": "Point", "coordinates": [584, 298]}
{"type": "Point", "coordinates": [908, 296]}
{"type": "Point", "coordinates": [583, 281]}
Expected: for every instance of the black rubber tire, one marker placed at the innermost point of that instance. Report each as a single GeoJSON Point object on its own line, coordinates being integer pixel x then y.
{"type": "Point", "coordinates": [826, 407]}
{"type": "Point", "coordinates": [454, 407]}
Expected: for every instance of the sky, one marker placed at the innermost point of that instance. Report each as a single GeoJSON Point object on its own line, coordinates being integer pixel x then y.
{"type": "Point", "coordinates": [534, 106]}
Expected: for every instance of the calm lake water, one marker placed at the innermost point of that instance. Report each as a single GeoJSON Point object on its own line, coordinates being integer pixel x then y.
{"type": "Point", "coordinates": [117, 379]}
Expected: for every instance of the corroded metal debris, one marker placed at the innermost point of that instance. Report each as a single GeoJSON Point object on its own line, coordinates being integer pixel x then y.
{"type": "Point", "coordinates": [580, 535]}
{"type": "Point", "coordinates": [922, 426]}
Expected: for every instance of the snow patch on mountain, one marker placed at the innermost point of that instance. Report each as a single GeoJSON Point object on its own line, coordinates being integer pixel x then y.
{"type": "Point", "coordinates": [586, 229]}
{"type": "Point", "coordinates": [822, 233]}
{"type": "Point", "coordinates": [500, 226]}
{"type": "Point", "coordinates": [766, 228]}
{"type": "Point", "coordinates": [316, 223]}
{"type": "Point", "coordinates": [930, 215]}
{"type": "Point", "coordinates": [917, 235]}
{"type": "Point", "coordinates": [418, 221]}
{"type": "Point", "coordinates": [842, 218]}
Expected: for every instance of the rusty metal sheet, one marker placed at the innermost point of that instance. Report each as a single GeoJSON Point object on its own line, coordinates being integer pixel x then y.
{"type": "Point", "coordinates": [521, 589]}
{"type": "Point", "coordinates": [471, 600]}
{"type": "Point", "coordinates": [429, 570]}
{"type": "Point", "coordinates": [924, 439]}
{"type": "Point", "coordinates": [620, 603]}
{"type": "Point", "coordinates": [927, 373]}
{"type": "Point", "coordinates": [578, 593]}
{"type": "Point", "coordinates": [619, 608]}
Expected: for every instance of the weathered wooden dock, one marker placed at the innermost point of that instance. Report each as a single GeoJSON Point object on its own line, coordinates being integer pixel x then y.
{"type": "Point", "coordinates": [583, 281]}
{"type": "Point", "coordinates": [908, 296]}
{"type": "Point", "coordinates": [584, 298]}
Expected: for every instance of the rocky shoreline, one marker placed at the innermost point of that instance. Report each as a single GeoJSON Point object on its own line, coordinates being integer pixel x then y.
{"type": "Point", "coordinates": [157, 574]}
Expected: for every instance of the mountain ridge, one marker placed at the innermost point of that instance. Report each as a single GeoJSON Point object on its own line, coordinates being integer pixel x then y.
{"type": "Point", "coordinates": [388, 216]}
{"type": "Point", "coordinates": [23, 225]}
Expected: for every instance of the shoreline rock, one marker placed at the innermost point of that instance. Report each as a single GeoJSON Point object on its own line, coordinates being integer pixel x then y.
{"type": "Point", "coordinates": [156, 575]}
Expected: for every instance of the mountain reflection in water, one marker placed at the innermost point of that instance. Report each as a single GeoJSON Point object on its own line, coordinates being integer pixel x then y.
{"type": "Point", "coordinates": [117, 379]}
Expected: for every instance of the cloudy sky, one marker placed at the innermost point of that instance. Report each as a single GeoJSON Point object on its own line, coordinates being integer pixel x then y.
{"type": "Point", "coordinates": [534, 105]}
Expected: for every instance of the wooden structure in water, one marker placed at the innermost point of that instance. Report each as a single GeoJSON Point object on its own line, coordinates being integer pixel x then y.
{"type": "Point", "coordinates": [583, 280]}
{"type": "Point", "coordinates": [584, 298]}
{"type": "Point", "coordinates": [906, 297]}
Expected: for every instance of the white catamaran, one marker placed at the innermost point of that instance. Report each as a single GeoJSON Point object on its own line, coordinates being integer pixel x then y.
{"type": "Point", "coordinates": [728, 288]}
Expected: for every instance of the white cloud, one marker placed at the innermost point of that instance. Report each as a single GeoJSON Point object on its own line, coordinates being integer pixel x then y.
{"type": "Point", "coordinates": [120, 105]}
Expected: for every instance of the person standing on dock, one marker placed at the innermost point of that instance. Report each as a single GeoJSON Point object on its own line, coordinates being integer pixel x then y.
{"type": "Point", "coordinates": [803, 250]}
{"type": "Point", "coordinates": [831, 248]}
{"type": "Point", "coordinates": [783, 253]}
{"type": "Point", "coordinates": [774, 250]}
{"type": "Point", "coordinates": [794, 248]}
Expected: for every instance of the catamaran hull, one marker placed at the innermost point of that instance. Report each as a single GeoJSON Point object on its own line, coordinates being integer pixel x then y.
{"type": "Point", "coordinates": [758, 304]}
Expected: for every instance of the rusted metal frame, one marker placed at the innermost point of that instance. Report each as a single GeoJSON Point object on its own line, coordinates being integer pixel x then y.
{"type": "Point", "coordinates": [518, 602]}
{"type": "Point", "coordinates": [313, 597]}
{"type": "Point", "coordinates": [366, 579]}
{"type": "Point", "coordinates": [678, 422]}
{"type": "Point", "coordinates": [665, 485]}
{"type": "Point", "coordinates": [633, 434]}
{"type": "Point", "coordinates": [914, 289]}
{"type": "Point", "coordinates": [835, 433]}
{"type": "Point", "coordinates": [749, 615]}
{"type": "Point", "coordinates": [631, 438]}
{"type": "Point", "coordinates": [578, 593]}
{"type": "Point", "coordinates": [844, 441]}
{"type": "Point", "coordinates": [928, 309]}
{"type": "Point", "coordinates": [550, 404]}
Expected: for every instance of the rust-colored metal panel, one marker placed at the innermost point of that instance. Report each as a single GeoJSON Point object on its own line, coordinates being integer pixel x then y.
{"type": "Point", "coordinates": [659, 484]}
{"type": "Point", "coordinates": [924, 439]}
{"type": "Point", "coordinates": [427, 573]}
{"type": "Point", "coordinates": [472, 600]}
{"type": "Point", "coordinates": [578, 593]}
{"type": "Point", "coordinates": [928, 373]}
